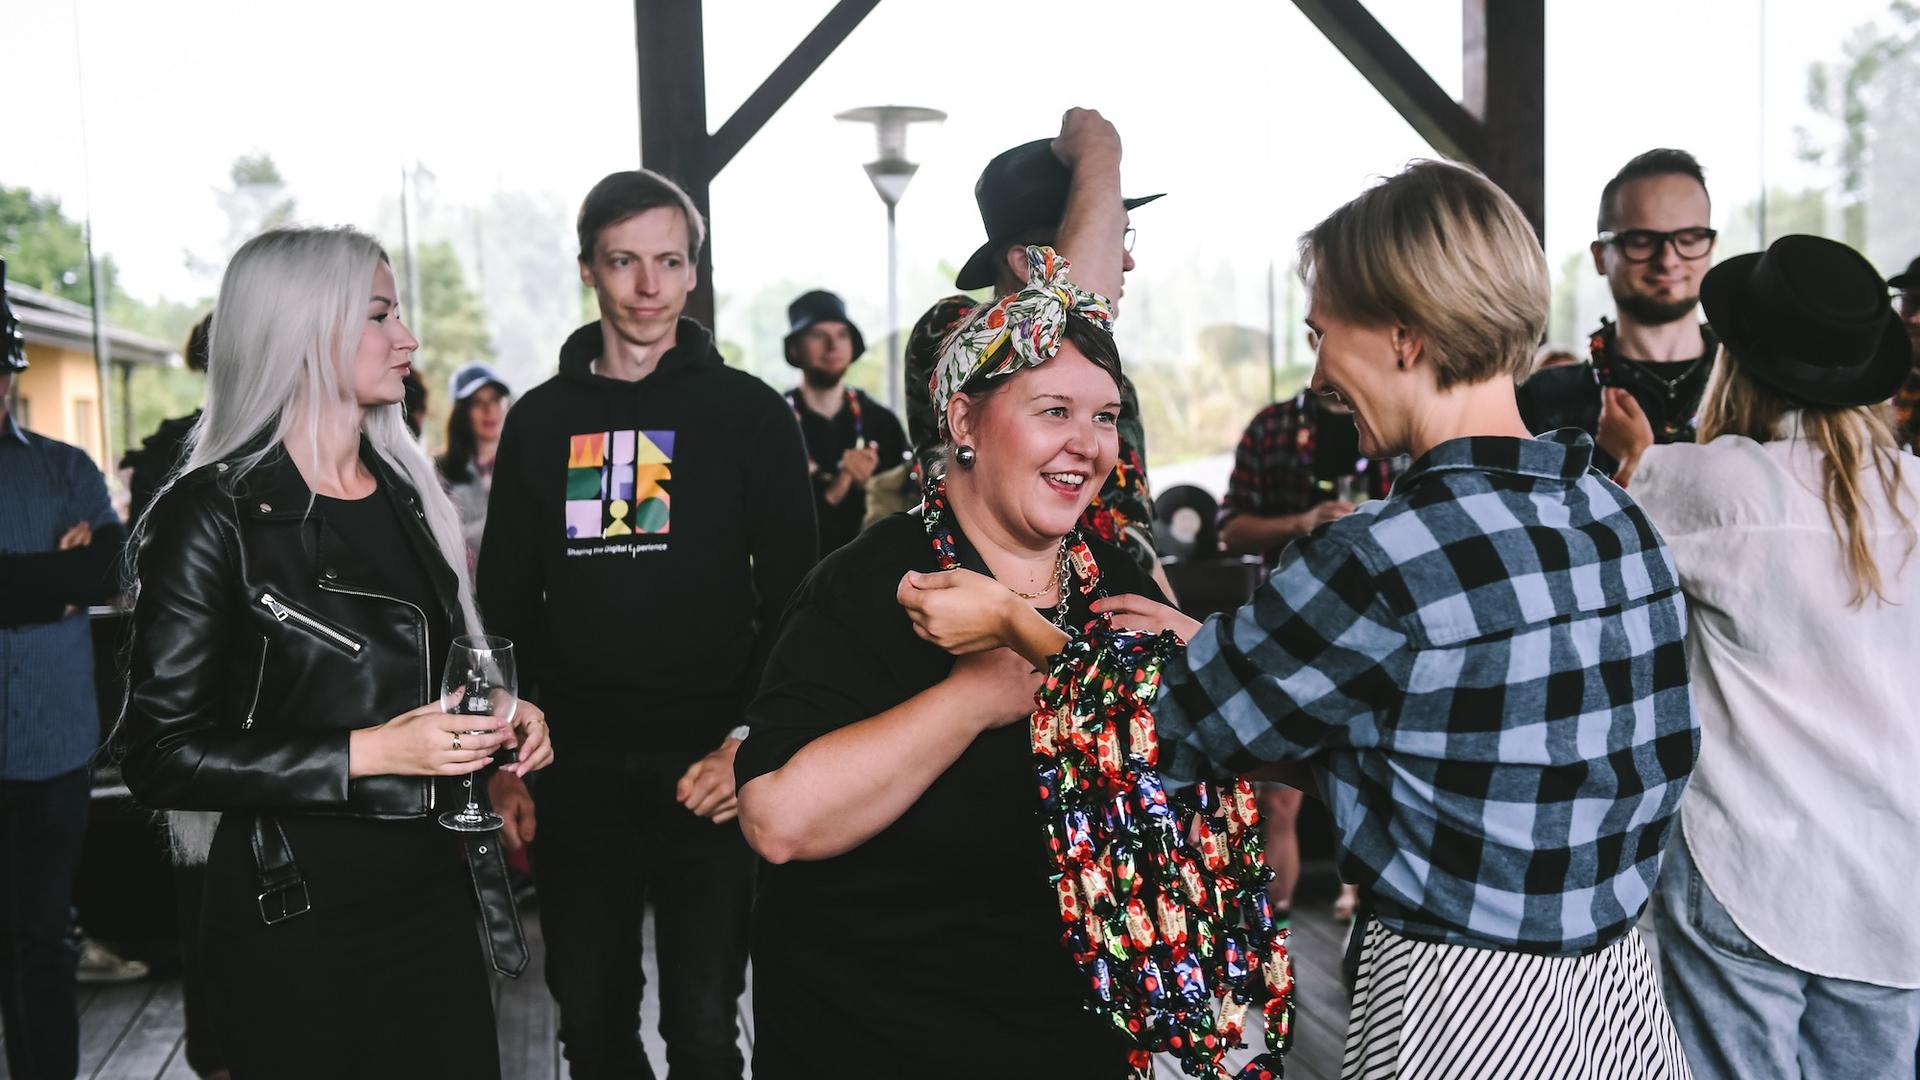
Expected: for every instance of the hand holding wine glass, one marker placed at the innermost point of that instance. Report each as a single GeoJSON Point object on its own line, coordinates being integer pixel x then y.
{"type": "Point", "coordinates": [419, 742]}
{"type": "Point", "coordinates": [480, 682]}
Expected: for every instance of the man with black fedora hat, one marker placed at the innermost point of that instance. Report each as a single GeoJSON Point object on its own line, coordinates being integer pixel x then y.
{"type": "Point", "coordinates": [1906, 401]}
{"type": "Point", "coordinates": [1785, 901]}
{"type": "Point", "coordinates": [60, 550]}
{"type": "Point", "coordinates": [1063, 192]}
{"type": "Point", "coordinates": [848, 434]}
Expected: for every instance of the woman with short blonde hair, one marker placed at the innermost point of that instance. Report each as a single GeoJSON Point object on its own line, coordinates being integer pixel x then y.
{"type": "Point", "coordinates": [1786, 938]}
{"type": "Point", "coordinates": [1483, 674]}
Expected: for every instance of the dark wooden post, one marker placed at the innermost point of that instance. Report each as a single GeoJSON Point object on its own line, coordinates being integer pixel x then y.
{"type": "Point", "coordinates": [1501, 128]}
{"type": "Point", "coordinates": [673, 114]}
{"type": "Point", "coordinates": [1505, 42]}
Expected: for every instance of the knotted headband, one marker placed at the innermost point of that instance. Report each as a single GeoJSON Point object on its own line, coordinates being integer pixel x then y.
{"type": "Point", "coordinates": [1020, 330]}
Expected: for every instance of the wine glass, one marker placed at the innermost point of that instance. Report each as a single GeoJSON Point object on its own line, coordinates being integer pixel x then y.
{"type": "Point", "coordinates": [479, 681]}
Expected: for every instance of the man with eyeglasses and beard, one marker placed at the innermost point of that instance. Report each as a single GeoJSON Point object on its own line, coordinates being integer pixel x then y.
{"type": "Point", "coordinates": [1653, 247]}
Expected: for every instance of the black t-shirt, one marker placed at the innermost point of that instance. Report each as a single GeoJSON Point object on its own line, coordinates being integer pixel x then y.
{"type": "Point", "coordinates": [933, 949]}
{"type": "Point", "coordinates": [375, 534]}
{"type": "Point", "coordinates": [861, 420]}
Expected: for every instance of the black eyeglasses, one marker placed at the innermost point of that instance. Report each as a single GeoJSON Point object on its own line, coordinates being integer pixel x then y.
{"type": "Point", "coordinates": [1640, 245]}
{"type": "Point", "coordinates": [1908, 302]}
{"type": "Point", "coordinates": [1126, 240]}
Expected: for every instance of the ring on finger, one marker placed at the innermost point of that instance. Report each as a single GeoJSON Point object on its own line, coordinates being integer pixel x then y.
{"type": "Point", "coordinates": [456, 740]}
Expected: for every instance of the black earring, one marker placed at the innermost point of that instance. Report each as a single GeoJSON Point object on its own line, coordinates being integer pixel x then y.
{"type": "Point", "coordinates": [965, 456]}
{"type": "Point", "coordinates": [1401, 363]}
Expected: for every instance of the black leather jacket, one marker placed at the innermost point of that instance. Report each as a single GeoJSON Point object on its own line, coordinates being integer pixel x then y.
{"type": "Point", "coordinates": [259, 645]}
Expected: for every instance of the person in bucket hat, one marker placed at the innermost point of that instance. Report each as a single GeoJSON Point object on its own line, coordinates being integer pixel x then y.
{"type": "Point", "coordinates": [849, 435]}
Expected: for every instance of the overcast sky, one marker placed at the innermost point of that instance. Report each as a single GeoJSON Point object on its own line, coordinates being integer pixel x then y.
{"type": "Point", "coordinates": [1238, 108]}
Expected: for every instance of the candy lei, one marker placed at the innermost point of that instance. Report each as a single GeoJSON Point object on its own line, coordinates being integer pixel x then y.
{"type": "Point", "coordinates": [1163, 901]}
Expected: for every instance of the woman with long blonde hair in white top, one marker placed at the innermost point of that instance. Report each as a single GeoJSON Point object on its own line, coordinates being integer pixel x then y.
{"type": "Point", "coordinates": [1787, 940]}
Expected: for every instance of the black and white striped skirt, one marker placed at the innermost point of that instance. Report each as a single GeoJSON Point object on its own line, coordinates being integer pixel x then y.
{"type": "Point", "coordinates": [1422, 1010]}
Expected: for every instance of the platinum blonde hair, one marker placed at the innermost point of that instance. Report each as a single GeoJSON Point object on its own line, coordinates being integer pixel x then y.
{"type": "Point", "coordinates": [290, 315]}
{"type": "Point", "coordinates": [288, 321]}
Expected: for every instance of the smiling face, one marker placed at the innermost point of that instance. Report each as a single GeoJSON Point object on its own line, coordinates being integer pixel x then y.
{"type": "Point", "coordinates": [385, 354]}
{"type": "Point", "coordinates": [641, 274]}
{"type": "Point", "coordinates": [1356, 367]}
{"type": "Point", "coordinates": [1666, 287]}
{"type": "Point", "coordinates": [1045, 440]}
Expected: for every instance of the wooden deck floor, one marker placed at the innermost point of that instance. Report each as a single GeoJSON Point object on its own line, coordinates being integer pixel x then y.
{"type": "Point", "coordinates": [135, 1031]}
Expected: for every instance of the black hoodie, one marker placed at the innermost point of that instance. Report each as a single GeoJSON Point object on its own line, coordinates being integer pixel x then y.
{"type": "Point", "coordinates": [642, 541]}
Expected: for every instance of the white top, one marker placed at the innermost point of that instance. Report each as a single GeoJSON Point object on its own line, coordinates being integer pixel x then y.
{"type": "Point", "coordinates": [1804, 812]}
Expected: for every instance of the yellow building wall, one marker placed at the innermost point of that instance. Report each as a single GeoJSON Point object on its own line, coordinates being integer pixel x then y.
{"type": "Point", "coordinates": [61, 391]}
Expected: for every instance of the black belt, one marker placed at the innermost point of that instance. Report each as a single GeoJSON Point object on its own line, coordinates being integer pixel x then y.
{"type": "Point", "coordinates": [283, 890]}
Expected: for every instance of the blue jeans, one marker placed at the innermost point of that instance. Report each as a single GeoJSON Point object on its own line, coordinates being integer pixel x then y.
{"type": "Point", "coordinates": [1743, 1015]}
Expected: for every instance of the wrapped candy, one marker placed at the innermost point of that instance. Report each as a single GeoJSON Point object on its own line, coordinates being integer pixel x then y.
{"type": "Point", "coordinates": [1141, 741]}
{"type": "Point", "coordinates": [1069, 901]}
{"type": "Point", "coordinates": [1139, 926]}
{"type": "Point", "coordinates": [1162, 900]}
{"type": "Point", "coordinates": [1172, 918]}
{"type": "Point", "coordinates": [1047, 772]}
{"type": "Point", "coordinates": [1093, 884]}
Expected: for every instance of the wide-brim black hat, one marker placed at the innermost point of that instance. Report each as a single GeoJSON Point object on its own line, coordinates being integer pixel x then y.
{"type": "Point", "coordinates": [1907, 279]}
{"type": "Point", "coordinates": [1022, 190]}
{"type": "Point", "coordinates": [1810, 318]}
{"type": "Point", "coordinates": [814, 308]}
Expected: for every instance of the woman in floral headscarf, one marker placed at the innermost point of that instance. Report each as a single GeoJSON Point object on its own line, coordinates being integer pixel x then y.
{"type": "Point", "coordinates": [906, 926]}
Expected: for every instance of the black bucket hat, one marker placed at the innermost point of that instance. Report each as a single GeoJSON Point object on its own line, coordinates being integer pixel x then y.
{"type": "Point", "coordinates": [814, 308]}
{"type": "Point", "coordinates": [1810, 318]}
{"type": "Point", "coordinates": [1022, 190]}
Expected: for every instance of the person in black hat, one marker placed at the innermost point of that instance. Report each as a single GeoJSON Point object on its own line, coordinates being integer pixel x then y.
{"type": "Point", "coordinates": [1653, 245]}
{"type": "Point", "coordinates": [849, 435]}
{"type": "Point", "coordinates": [60, 550]}
{"type": "Point", "coordinates": [1786, 943]}
{"type": "Point", "coordinates": [1063, 192]}
{"type": "Point", "coordinates": [1906, 401]}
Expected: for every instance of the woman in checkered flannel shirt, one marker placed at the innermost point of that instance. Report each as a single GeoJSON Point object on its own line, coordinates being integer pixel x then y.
{"type": "Point", "coordinates": [1484, 674]}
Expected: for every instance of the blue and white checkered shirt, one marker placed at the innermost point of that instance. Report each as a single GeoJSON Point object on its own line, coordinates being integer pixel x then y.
{"type": "Point", "coordinates": [1487, 671]}
{"type": "Point", "coordinates": [49, 722]}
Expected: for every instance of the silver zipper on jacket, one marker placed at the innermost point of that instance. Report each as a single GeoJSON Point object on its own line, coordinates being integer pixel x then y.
{"type": "Point", "coordinates": [282, 613]}
{"type": "Point", "coordinates": [259, 677]}
{"type": "Point", "coordinates": [426, 658]}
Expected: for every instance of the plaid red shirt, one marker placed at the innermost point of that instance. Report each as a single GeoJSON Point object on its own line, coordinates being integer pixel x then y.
{"type": "Point", "coordinates": [1277, 469]}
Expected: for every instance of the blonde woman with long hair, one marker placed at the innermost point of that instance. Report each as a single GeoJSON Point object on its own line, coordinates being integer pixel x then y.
{"type": "Point", "coordinates": [300, 581]}
{"type": "Point", "coordinates": [1787, 944]}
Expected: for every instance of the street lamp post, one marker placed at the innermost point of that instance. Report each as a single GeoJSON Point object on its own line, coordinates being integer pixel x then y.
{"type": "Point", "coordinates": [890, 174]}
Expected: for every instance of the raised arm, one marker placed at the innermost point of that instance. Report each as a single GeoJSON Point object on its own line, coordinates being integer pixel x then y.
{"type": "Point", "coordinates": [1092, 232]}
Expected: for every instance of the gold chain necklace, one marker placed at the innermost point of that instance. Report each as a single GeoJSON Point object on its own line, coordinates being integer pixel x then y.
{"type": "Point", "coordinates": [1059, 574]}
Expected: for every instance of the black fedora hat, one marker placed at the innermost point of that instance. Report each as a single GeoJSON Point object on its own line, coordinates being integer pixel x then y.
{"type": "Point", "coordinates": [1021, 190]}
{"type": "Point", "coordinates": [1909, 279]}
{"type": "Point", "coordinates": [1810, 318]}
{"type": "Point", "coordinates": [814, 308]}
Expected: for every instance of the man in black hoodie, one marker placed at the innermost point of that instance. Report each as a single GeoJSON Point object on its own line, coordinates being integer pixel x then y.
{"type": "Point", "coordinates": [650, 516]}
